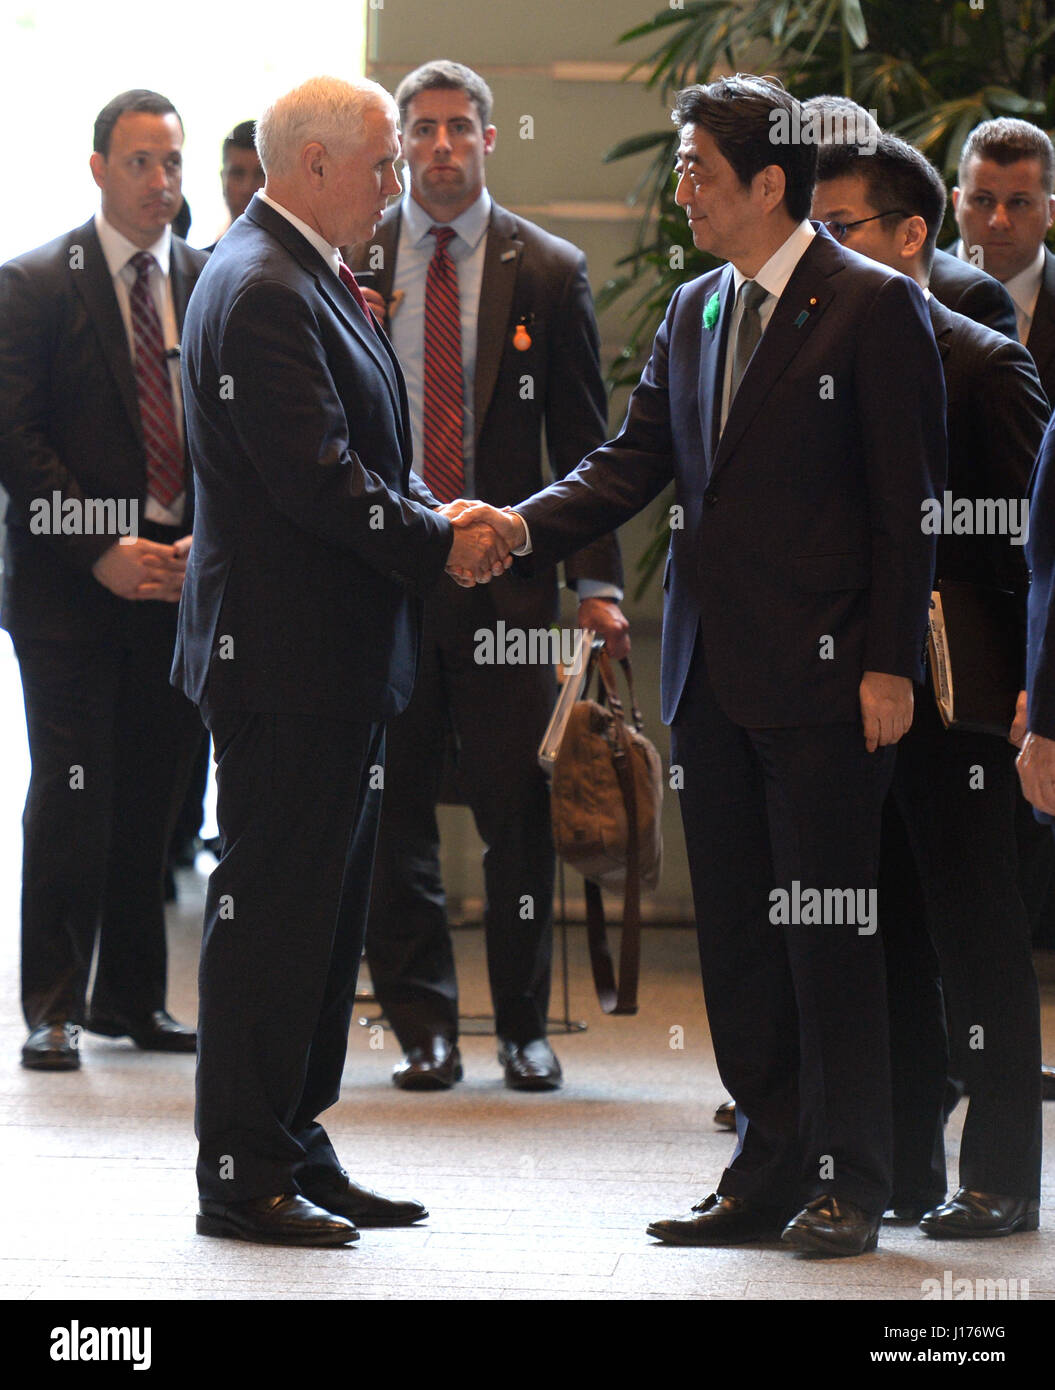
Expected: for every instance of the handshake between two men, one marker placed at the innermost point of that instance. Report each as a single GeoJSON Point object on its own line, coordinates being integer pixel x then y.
{"type": "Point", "coordinates": [484, 541]}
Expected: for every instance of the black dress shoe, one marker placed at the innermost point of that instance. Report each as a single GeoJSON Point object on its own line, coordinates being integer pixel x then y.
{"type": "Point", "coordinates": [158, 1032]}
{"type": "Point", "coordinates": [345, 1198]}
{"type": "Point", "coordinates": [432, 1066]}
{"type": "Point", "coordinates": [530, 1066]}
{"type": "Point", "coordinates": [52, 1047]}
{"type": "Point", "coordinates": [1047, 1083]}
{"type": "Point", "coordinates": [970, 1215]}
{"type": "Point", "coordinates": [828, 1226]}
{"type": "Point", "coordinates": [718, 1221]}
{"type": "Point", "coordinates": [725, 1115]}
{"type": "Point", "coordinates": [287, 1219]}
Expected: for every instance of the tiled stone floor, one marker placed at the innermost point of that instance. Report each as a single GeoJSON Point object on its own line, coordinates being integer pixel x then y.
{"type": "Point", "coordinates": [532, 1196]}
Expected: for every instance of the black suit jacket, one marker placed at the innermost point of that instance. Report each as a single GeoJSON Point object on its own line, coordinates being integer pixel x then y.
{"type": "Point", "coordinates": [70, 423]}
{"type": "Point", "coordinates": [800, 533]}
{"type": "Point", "coordinates": [967, 290]}
{"type": "Point", "coordinates": [996, 416]}
{"type": "Point", "coordinates": [309, 558]}
{"type": "Point", "coordinates": [533, 277]}
{"type": "Point", "coordinates": [1042, 331]}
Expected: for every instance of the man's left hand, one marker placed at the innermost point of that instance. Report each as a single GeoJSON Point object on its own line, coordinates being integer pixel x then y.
{"type": "Point", "coordinates": [606, 618]}
{"type": "Point", "coordinates": [886, 708]}
{"type": "Point", "coordinates": [1036, 772]}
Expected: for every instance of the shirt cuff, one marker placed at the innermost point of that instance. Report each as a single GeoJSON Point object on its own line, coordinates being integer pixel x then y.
{"type": "Point", "coordinates": [525, 549]}
{"type": "Point", "coordinates": [598, 588]}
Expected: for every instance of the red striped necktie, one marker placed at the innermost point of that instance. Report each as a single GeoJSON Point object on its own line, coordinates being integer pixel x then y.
{"type": "Point", "coordinates": [444, 468]}
{"type": "Point", "coordinates": [154, 389]}
{"type": "Point", "coordinates": [349, 279]}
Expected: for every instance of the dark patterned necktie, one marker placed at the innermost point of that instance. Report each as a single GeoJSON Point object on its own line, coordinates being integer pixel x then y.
{"type": "Point", "coordinates": [154, 389]}
{"type": "Point", "coordinates": [444, 467]}
{"type": "Point", "coordinates": [347, 278]}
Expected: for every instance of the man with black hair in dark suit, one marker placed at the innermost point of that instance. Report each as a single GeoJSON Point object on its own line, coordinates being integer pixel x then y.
{"type": "Point", "coordinates": [92, 454]}
{"type": "Point", "coordinates": [796, 603]}
{"type": "Point", "coordinates": [954, 792]}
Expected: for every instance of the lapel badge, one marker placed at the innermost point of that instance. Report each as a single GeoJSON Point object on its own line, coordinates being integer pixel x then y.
{"type": "Point", "coordinates": [711, 311]}
{"type": "Point", "coordinates": [521, 337]}
{"type": "Point", "coordinates": [805, 314]}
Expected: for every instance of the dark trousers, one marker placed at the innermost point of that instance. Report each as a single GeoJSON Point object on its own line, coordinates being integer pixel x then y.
{"type": "Point", "coordinates": [956, 794]}
{"type": "Point", "coordinates": [111, 744]}
{"type": "Point", "coordinates": [498, 714]}
{"type": "Point", "coordinates": [285, 917]}
{"type": "Point", "coordinates": [797, 1012]}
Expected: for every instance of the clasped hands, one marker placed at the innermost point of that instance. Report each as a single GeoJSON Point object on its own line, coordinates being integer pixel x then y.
{"type": "Point", "coordinates": [484, 541]}
{"type": "Point", "coordinates": [135, 568]}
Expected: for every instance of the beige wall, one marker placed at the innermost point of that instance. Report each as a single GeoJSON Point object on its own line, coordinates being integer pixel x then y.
{"type": "Point", "coordinates": [557, 62]}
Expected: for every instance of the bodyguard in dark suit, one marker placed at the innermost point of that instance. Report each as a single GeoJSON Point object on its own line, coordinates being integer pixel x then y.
{"type": "Point", "coordinates": [525, 314]}
{"type": "Point", "coordinates": [795, 398]}
{"type": "Point", "coordinates": [1005, 205]}
{"type": "Point", "coordinates": [298, 637]}
{"type": "Point", "coordinates": [955, 791]}
{"type": "Point", "coordinates": [91, 450]}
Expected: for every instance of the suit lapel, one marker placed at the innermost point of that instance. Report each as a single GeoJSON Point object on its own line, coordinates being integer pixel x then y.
{"type": "Point", "coordinates": [337, 295]}
{"type": "Point", "coordinates": [1042, 331]}
{"type": "Point", "coordinates": [712, 362]}
{"type": "Point", "coordinates": [797, 312]}
{"type": "Point", "coordinates": [501, 262]}
{"type": "Point", "coordinates": [183, 274]}
{"type": "Point", "coordinates": [96, 288]}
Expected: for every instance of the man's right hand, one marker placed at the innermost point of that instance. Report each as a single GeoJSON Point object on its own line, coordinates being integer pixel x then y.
{"type": "Point", "coordinates": [142, 569]}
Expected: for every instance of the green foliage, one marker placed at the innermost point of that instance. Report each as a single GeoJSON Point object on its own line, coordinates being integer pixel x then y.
{"type": "Point", "coordinates": [931, 69]}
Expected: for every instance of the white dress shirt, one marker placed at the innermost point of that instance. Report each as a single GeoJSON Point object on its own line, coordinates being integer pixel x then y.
{"type": "Point", "coordinates": [118, 252]}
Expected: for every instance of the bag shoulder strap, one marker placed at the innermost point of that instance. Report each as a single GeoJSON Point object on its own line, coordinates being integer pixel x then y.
{"type": "Point", "coordinates": [621, 998]}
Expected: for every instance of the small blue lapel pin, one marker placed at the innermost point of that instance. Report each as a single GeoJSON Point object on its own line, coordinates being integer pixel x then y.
{"type": "Point", "coordinates": [805, 314]}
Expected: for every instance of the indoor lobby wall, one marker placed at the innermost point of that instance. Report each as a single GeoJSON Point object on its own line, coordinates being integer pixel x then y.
{"type": "Point", "coordinates": [557, 72]}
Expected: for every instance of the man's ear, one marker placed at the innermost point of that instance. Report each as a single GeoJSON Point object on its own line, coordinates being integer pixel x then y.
{"type": "Point", "coordinates": [915, 236]}
{"type": "Point", "coordinates": [774, 184]}
{"type": "Point", "coordinates": [490, 136]}
{"type": "Point", "coordinates": [955, 200]}
{"type": "Point", "coordinates": [313, 159]}
{"type": "Point", "coordinates": [97, 164]}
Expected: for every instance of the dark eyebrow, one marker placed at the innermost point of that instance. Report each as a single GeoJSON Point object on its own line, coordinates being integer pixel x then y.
{"type": "Point", "coordinates": [686, 157]}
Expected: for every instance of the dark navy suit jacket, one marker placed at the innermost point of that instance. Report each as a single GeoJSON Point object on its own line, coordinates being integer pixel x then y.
{"type": "Point", "coordinates": [799, 555]}
{"type": "Point", "coordinates": [310, 553]}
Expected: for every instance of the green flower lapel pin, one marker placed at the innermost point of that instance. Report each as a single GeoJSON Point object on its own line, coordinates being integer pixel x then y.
{"type": "Point", "coordinates": [711, 311]}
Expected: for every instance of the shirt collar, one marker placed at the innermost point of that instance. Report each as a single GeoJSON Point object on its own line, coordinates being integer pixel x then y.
{"type": "Point", "coordinates": [330, 254]}
{"type": "Point", "coordinates": [470, 225]}
{"type": "Point", "coordinates": [777, 271]}
{"type": "Point", "coordinates": [118, 250]}
{"type": "Point", "coordinates": [1025, 286]}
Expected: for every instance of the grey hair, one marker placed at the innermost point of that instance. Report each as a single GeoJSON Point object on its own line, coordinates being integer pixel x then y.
{"type": "Point", "coordinates": [327, 109]}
